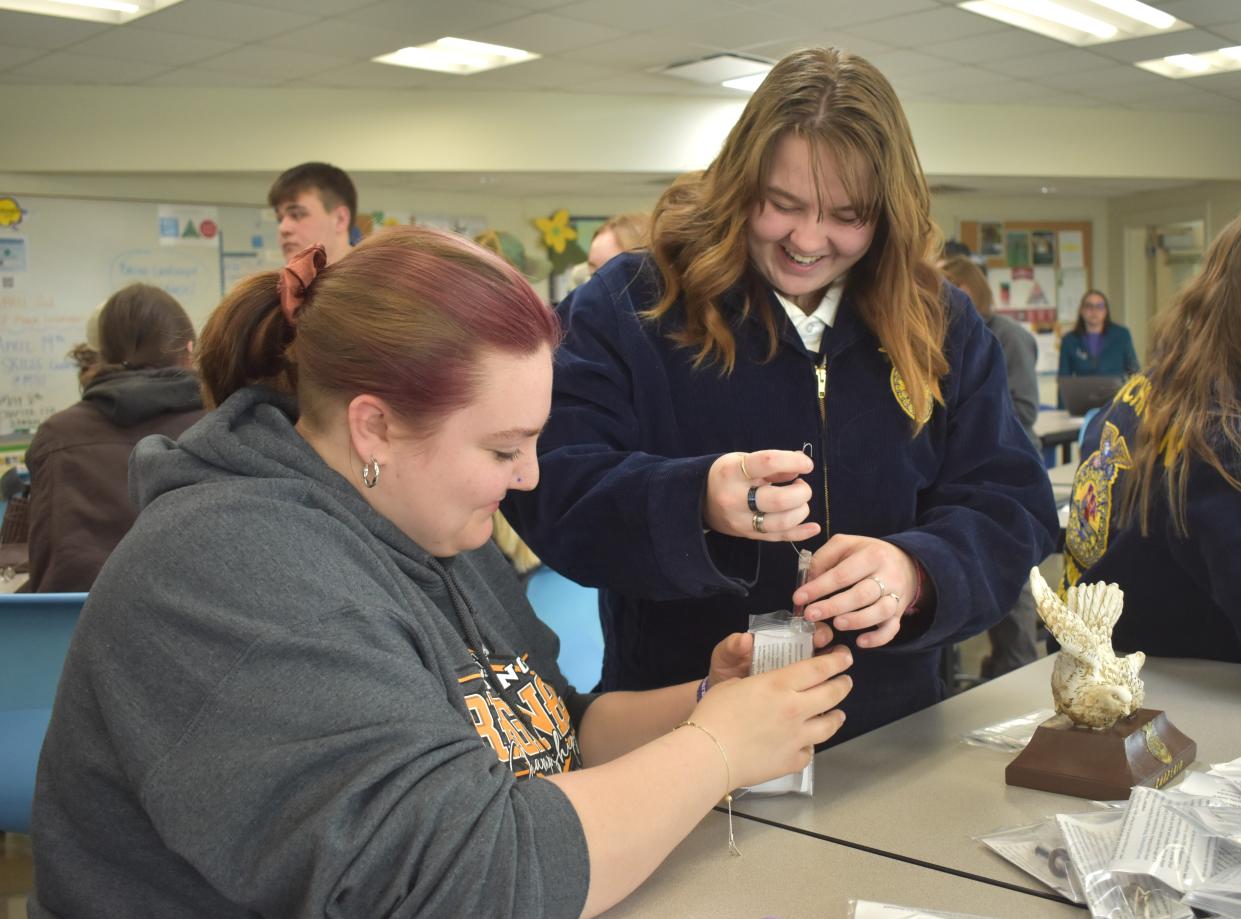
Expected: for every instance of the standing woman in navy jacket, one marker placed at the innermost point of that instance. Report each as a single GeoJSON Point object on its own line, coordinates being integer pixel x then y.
{"type": "Point", "coordinates": [1097, 346]}
{"type": "Point", "coordinates": [787, 369]}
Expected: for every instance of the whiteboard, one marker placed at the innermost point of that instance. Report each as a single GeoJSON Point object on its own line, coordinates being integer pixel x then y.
{"type": "Point", "coordinates": [66, 256]}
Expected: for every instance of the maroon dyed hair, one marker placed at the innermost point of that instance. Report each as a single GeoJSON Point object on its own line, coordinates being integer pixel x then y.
{"type": "Point", "coordinates": [406, 316]}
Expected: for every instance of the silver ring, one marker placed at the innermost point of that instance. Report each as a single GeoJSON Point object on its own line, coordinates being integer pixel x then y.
{"type": "Point", "coordinates": [896, 597]}
{"type": "Point", "coordinates": [751, 498]}
{"type": "Point", "coordinates": [758, 522]}
{"type": "Point", "coordinates": [882, 589]}
{"type": "Point", "coordinates": [745, 472]}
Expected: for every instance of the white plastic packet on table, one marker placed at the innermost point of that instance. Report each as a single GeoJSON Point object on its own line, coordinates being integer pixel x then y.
{"type": "Point", "coordinates": [1012, 735]}
{"type": "Point", "coordinates": [1219, 894]}
{"type": "Point", "coordinates": [868, 909]}
{"type": "Point", "coordinates": [1038, 849]}
{"type": "Point", "coordinates": [1092, 840]}
{"type": "Point", "coordinates": [1228, 770]}
{"type": "Point", "coordinates": [780, 639]}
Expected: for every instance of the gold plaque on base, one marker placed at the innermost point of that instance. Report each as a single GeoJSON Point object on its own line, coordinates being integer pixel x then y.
{"type": "Point", "coordinates": [1142, 749]}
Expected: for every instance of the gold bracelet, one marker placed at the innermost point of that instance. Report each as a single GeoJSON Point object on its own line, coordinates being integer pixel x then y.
{"type": "Point", "coordinates": [728, 781]}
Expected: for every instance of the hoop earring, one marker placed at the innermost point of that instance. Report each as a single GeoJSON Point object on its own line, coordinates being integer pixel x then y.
{"type": "Point", "coordinates": [370, 478]}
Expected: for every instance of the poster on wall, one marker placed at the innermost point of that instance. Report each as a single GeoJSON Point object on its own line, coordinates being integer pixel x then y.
{"type": "Point", "coordinates": [991, 238]}
{"type": "Point", "coordinates": [1017, 248]}
{"type": "Point", "coordinates": [1072, 289]}
{"type": "Point", "coordinates": [1043, 247]}
{"type": "Point", "coordinates": [1072, 252]}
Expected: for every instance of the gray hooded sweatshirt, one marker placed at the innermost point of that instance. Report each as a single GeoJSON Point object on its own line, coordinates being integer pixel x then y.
{"type": "Point", "coordinates": [276, 704]}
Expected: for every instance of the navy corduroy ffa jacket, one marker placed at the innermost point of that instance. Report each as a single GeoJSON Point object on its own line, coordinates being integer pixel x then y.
{"type": "Point", "coordinates": [635, 428]}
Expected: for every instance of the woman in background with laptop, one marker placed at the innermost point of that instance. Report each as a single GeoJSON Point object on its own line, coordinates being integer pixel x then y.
{"type": "Point", "coordinates": [1097, 346]}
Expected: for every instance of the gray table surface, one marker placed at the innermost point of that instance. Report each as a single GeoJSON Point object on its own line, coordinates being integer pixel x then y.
{"type": "Point", "coordinates": [913, 789]}
{"type": "Point", "coordinates": [786, 875]}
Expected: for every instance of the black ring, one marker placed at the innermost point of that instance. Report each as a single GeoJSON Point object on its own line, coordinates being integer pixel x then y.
{"type": "Point", "coordinates": [751, 498]}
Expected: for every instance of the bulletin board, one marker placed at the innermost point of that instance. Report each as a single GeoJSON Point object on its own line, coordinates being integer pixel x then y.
{"type": "Point", "coordinates": [1038, 272]}
{"type": "Point", "coordinates": [62, 257]}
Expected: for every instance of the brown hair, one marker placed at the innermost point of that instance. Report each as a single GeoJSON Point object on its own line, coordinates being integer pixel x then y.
{"type": "Point", "coordinates": [843, 106]}
{"type": "Point", "coordinates": [143, 328]}
{"type": "Point", "coordinates": [632, 230]}
{"type": "Point", "coordinates": [966, 274]}
{"type": "Point", "coordinates": [1193, 404]}
{"type": "Point", "coordinates": [404, 316]}
{"type": "Point", "coordinates": [1079, 329]}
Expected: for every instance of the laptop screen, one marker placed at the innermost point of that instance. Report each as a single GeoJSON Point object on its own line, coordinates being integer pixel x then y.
{"type": "Point", "coordinates": [1081, 394]}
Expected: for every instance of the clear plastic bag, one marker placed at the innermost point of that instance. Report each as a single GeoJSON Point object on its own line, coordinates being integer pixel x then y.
{"type": "Point", "coordinates": [1219, 894]}
{"type": "Point", "coordinates": [1038, 849]}
{"type": "Point", "coordinates": [780, 639]}
{"type": "Point", "coordinates": [1012, 735]}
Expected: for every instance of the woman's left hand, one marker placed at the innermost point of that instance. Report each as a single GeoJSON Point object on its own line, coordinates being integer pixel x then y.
{"type": "Point", "coordinates": [865, 582]}
{"type": "Point", "coordinates": [731, 657]}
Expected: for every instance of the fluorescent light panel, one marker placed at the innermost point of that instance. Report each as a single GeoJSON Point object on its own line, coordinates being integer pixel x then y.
{"type": "Point", "coordinates": [731, 70]}
{"type": "Point", "coordinates": [1080, 22]}
{"type": "Point", "coordinates": [112, 12]}
{"type": "Point", "coordinates": [1184, 66]}
{"type": "Point", "coordinates": [456, 55]}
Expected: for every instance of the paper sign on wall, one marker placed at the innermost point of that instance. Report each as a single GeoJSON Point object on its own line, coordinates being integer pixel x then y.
{"type": "Point", "coordinates": [180, 225]}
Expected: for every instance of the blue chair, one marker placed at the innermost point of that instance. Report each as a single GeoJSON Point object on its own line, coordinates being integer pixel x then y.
{"type": "Point", "coordinates": [572, 612]}
{"type": "Point", "coordinates": [34, 636]}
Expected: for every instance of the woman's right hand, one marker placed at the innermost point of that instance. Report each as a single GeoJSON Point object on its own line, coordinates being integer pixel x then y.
{"type": "Point", "coordinates": [768, 724]}
{"type": "Point", "coordinates": [778, 509]}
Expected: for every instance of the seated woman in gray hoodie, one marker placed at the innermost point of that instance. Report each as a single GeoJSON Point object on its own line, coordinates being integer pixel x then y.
{"type": "Point", "coordinates": [306, 683]}
{"type": "Point", "coordinates": [142, 384]}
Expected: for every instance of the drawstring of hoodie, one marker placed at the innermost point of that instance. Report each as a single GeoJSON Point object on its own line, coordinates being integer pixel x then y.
{"type": "Point", "coordinates": [482, 654]}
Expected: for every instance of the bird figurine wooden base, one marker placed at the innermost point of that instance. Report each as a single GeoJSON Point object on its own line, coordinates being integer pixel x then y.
{"type": "Point", "coordinates": [1101, 742]}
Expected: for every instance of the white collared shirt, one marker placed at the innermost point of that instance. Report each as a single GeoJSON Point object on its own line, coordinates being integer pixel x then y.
{"type": "Point", "coordinates": [811, 327]}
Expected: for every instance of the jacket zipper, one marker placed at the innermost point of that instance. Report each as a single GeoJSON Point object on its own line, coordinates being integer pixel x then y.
{"type": "Point", "coordinates": [820, 373]}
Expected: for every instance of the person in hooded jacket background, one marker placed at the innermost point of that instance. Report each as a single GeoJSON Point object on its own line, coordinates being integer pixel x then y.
{"type": "Point", "coordinates": [79, 458]}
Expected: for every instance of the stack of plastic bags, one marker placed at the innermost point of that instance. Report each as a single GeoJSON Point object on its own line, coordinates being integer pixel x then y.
{"type": "Point", "coordinates": [1152, 857]}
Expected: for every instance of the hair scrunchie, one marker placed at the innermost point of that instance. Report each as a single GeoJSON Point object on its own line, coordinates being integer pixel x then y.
{"type": "Point", "coordinates": [296, 277]}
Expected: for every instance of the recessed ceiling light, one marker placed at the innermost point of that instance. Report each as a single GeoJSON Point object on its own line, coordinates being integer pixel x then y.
{"type": "Point", "coordinates": [113, 12]}
{"type": "Point", "coordinates": [1182, 66]}
{"type": "Point", "coordinates": [1080, 22]}
{"type": "Point", "coordinates": [732, 70]}
{"type": "Point", "coordinates": [456, 55]}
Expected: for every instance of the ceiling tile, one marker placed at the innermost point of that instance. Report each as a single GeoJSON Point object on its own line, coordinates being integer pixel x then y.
{"type": "Point", "coordinates": [369, 75]}
{"type": "Point", "coordinates": [1117, 75]}
{"type": "Point", "coordinates": [634, 15]}
{"type": "Point", "coordinates": [817, 15]}
{"type": "Point", "coordinates": [11, 56]}
{"type": "Point", "coordinates": [137, 44]}
{"type": "Point", "coordinates": [196, 76]}
{"type": "Point", "coordinates": [338, 38]}
{"type": "Point", "coordinates": [902, 63]}
{"type": "Point", "coordinates": [26, 30]}
{"type": "Point", "coordinates": [656, 84]}
{"type": "Point", "coordinates": [1070, 60]}
{"type": "Point", "coordinates": [1056, 99]}
{"type": "Point", "coordinates": [738, 30]}
{"type": "Point", "coordinates": [1201, 12]}
{"type": "Point", "coordinates": [997, 90]}
{"type": "Point", "coordinates": [272, 63]}
{"type": "Point", "coordinates": [63, 67]}
{"type": "Point", "coordinates": [994, 46]}
{"type": "Point", "coordinates": [1228, 30]}
{"type": "Point", "coordinates": [860, 46]}
{"type": "Point", "coordinates": [224, 20]}
{"type": "Point", "coordinates": [943, 82]}
{"type": "Point", "coordinates": [419, 21]}
{"type": "Point", "coordinates": [1198, 102]}
{"type": "Point", "coordinates": [313, 7]}
{"type": "Point", "coordinates": [640, 51]}
{"type": "Point", "coordinates": [544, 33]}
{"type": "Point", "coordinates": [1189, 41]}
{"type": "Point", "coordinates": [1227, 83]}
{"type": "Point", "coordinates": [546, 73]}
{"type": "Point", "coordinates": [918, 29]}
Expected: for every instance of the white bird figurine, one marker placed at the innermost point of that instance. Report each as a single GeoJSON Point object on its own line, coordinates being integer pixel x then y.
{"type": "Point", "coordinates": [1090, 684]}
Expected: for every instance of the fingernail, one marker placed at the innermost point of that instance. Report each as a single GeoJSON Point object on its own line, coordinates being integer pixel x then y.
{"type": "Point", "coordinates": [842, 623]}
{"type": "Point", "coordinates": [799, 598]}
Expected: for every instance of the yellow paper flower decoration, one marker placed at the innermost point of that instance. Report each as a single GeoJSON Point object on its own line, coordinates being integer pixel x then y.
{"type": "Point", "coordinates": [556, 230]}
